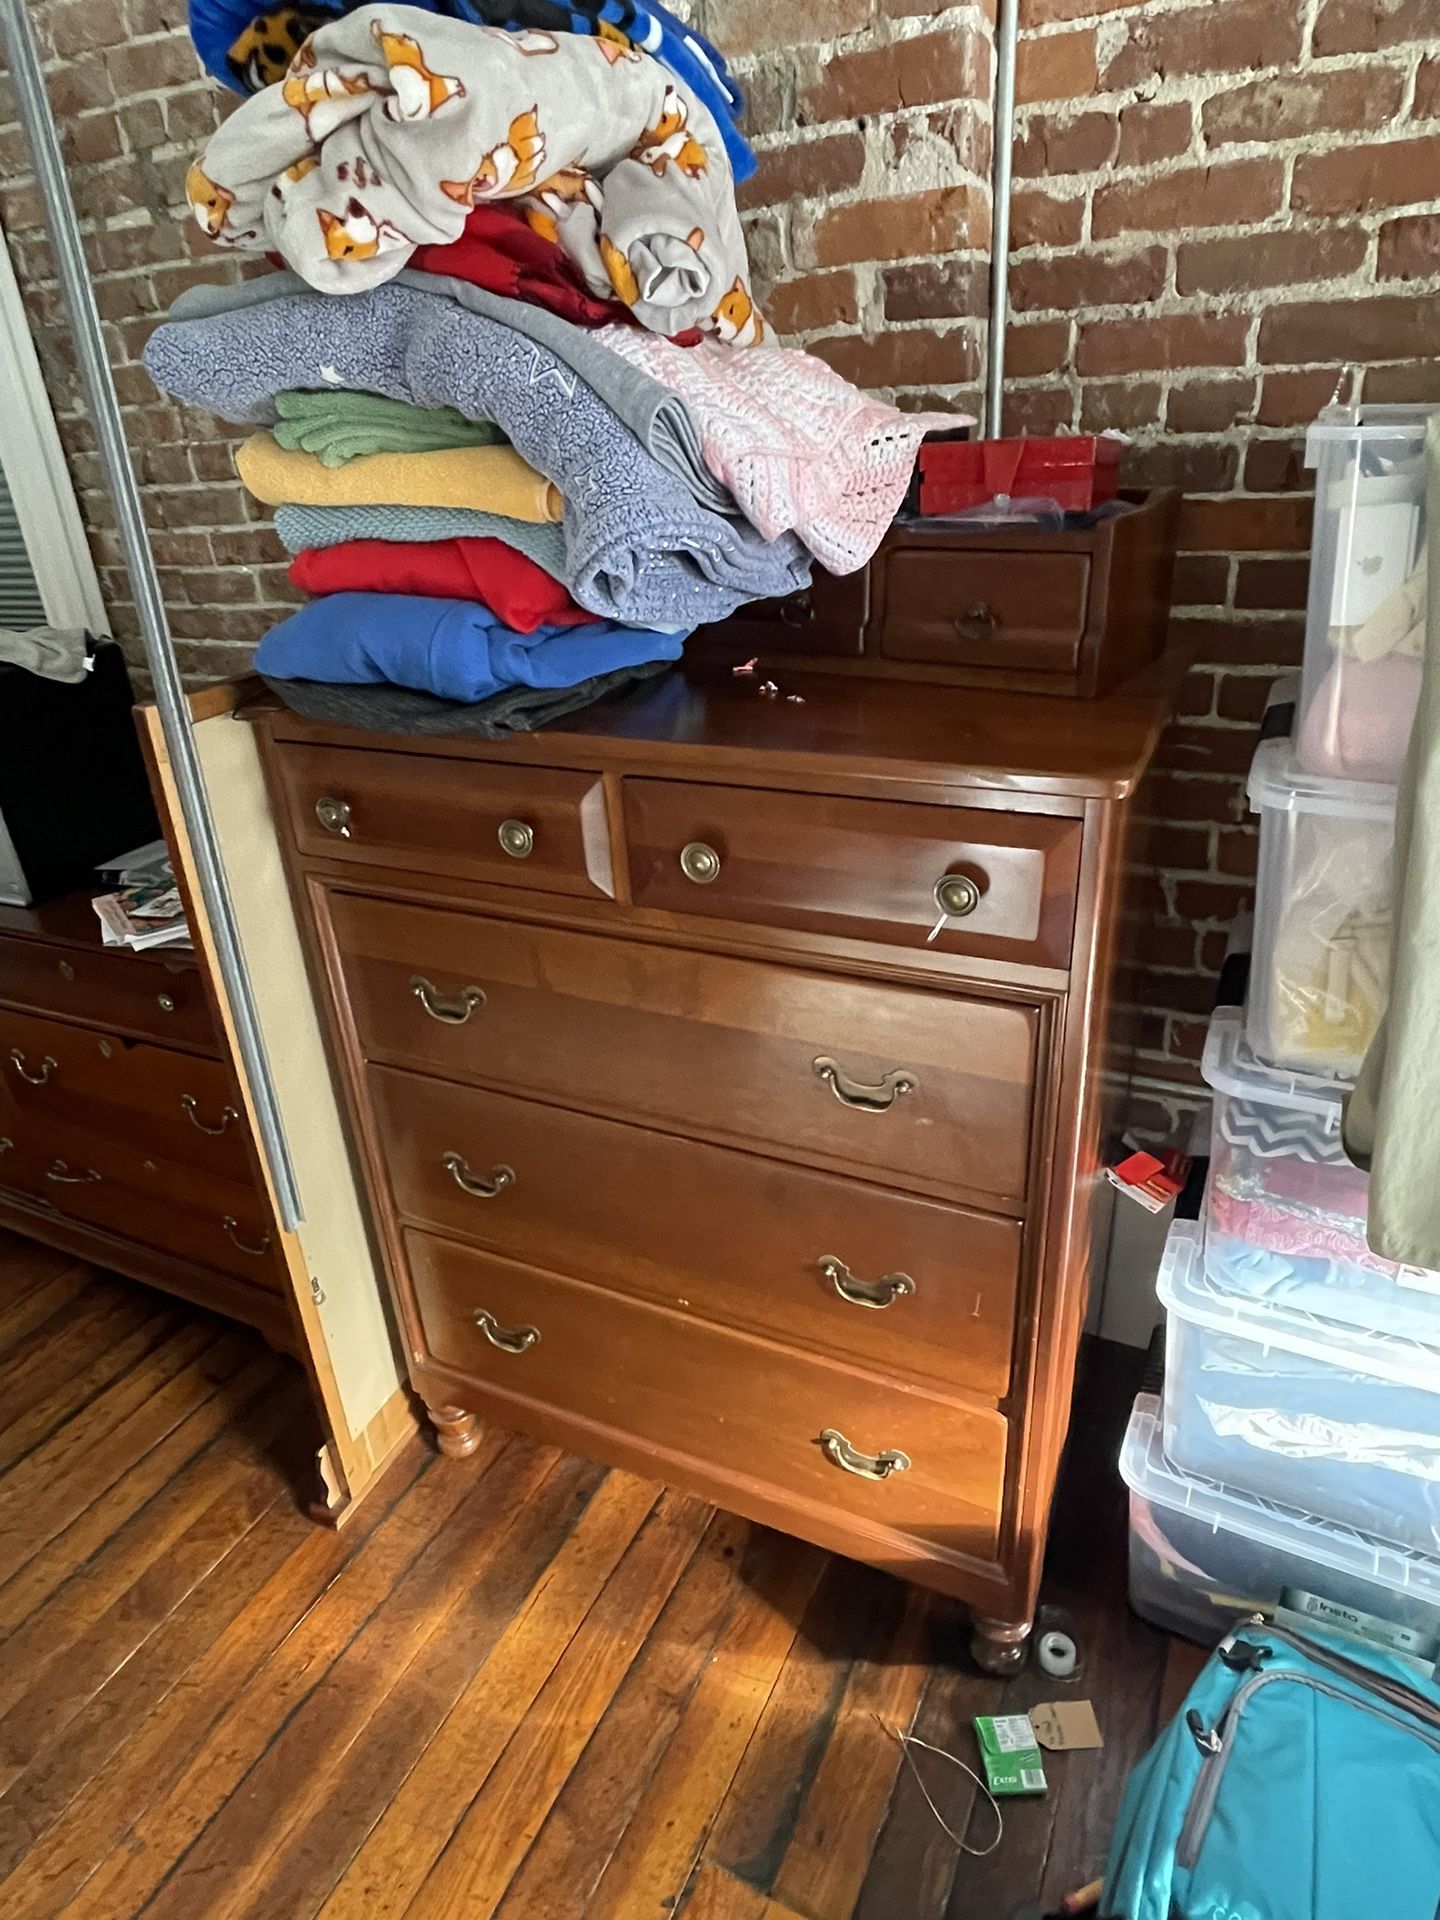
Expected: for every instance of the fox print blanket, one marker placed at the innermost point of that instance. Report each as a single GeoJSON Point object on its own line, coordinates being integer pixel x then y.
{"type": "Point", "coordinates": [393, 123]}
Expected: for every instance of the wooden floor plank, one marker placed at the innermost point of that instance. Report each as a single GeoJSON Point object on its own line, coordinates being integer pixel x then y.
{"type": "Point", "coordinates": [38, 1285]}
{"type": "Point", "coordinates": [62, 1365]}
{"type": "Point", "coordinates": [717, 1895]}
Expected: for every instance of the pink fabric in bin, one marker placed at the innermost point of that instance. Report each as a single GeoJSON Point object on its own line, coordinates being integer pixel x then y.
{"type": "Point", "coordinates": [1357, 726]}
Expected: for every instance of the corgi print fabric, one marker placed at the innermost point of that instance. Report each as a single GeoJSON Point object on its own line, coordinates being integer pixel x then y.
{"type": "Point", "coordinates": [393, 123]}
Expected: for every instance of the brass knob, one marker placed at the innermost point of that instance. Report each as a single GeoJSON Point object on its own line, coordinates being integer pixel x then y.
{"type": "Point", "coordinates": [956, 895]}
{"type": "Point", "coordinates": [700, 863]}
{"type": "Point", "coordinates": [333, 815]}
{"type": "Point", "coordinates": [517, 839]}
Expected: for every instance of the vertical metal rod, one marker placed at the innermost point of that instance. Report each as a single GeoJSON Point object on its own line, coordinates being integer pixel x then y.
{"type": "Point", "coordinates": [1007, 34]}
{"type": "Point", "coordinates": [17, 35]}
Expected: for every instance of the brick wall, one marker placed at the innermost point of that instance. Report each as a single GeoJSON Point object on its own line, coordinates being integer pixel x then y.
{"type": "Point", "coordinates": [1219, 204]}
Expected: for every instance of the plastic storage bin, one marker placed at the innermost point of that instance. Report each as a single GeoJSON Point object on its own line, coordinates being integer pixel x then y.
{"type": "Point", "coordinates": [1365, 630]}
{"type": "Point", "coordinates": [1323, 900]}
{"type": "Point", "coordinates": [1292, 1417]}
{"type": "Point", "coordinates": [1203, 1556]}
{"type": "Point", "coordinates": [1285, 1214]}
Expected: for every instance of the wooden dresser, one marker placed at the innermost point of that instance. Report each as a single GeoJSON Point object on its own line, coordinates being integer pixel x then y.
{"type": "Point", "coordinates": [122, 1137]}
{"type": "Point", "coordinates": [726, 1073]}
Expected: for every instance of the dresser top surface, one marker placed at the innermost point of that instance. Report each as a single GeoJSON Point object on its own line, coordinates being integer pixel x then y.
{"type": "Point", "coordinates": [708, 716]}
{"type": "Point", "coordinates": [71, 921]}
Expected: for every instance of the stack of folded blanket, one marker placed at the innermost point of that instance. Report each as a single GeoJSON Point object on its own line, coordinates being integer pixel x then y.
{"type": "Point", "coordinates": [514, 405]}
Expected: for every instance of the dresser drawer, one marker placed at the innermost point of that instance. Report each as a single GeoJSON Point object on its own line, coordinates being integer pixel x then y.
{"type": "Point", "coordinates": [870, 870]}
{"type": "Point", "coordinates": [1025, 612]}
{"type": "Point", "coordinates": [512, 826]}
{"type": "Point", "coordinates": [170, 1104]}
{"type": "Point", "coordinates": [731, 1405]}
{"type": "Point", "coordinates": [831, 1266]}
{"type": "Point", "coordinates": [930, 1088]}
{"type": "Point", "coordinates": [138, 993]}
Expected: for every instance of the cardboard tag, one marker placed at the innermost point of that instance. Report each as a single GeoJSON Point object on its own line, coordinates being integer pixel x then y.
{"type": "Point", "coordinates": [1066, 1726]}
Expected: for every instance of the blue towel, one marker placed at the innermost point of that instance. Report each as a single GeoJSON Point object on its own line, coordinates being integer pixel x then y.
{"type": "Point", "coordinates": [455, 649]}
{"type": "Point", "coordinates": [640, 549]}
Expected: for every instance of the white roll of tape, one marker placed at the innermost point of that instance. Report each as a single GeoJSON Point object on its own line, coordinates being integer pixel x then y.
{"type": "Point", "coordinates": [1058, 1655]}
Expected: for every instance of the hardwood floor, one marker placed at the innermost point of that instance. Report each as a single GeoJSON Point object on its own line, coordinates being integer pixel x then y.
{"type": "Point", "coordinates": [515, 1686]}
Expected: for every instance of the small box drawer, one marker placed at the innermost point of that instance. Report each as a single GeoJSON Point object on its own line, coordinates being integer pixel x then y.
{"type": "Point", "coordinates": [1023, 612]}
{"type": "Point", "coordinates": [931, 1088]}
{"type": "Point", "coordinates": [144, 994]}
{"type": "Point", "coordinates": [864, 869]}
{"type": "Point", "coordinates": [827, 618]}
{"type": "Point", "coordinates": [158, 1101]}
{"type": "Point", "coordinates": [830, 1266]}
{"type": "Point", "coordinates": [510, 826]}
{"type": "Point", "coordinates": [735, 1406]}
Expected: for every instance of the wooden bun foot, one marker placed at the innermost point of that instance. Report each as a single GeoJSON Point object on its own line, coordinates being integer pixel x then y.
{"type": "Point", "coordinates": [457, 1433]}
{"type": "Point", "coordinates": [1000, 1646]}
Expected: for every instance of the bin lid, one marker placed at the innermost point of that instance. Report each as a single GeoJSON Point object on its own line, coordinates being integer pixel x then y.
{"type": "Point", "coordinates": [1230, 1065]}
{"type": "Point", "coordinates": [1147, 1472]}
{"type": "Point", "coordinates": [1399, 426]}
{"type": "Point", "coordinates": [1277, 784]}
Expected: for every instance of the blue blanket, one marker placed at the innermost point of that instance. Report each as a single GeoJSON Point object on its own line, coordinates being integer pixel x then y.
{"type": "Point", "coordinates": [639, 548]}
{"type": "Point", "coordinates": [455, 649]}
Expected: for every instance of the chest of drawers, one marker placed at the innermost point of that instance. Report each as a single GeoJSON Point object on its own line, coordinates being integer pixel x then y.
{"type": "Point", "coordinates": [726, 1074]}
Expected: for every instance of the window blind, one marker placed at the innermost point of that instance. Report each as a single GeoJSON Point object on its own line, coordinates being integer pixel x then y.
{"type": "Point", "coordinates": [21, 605]}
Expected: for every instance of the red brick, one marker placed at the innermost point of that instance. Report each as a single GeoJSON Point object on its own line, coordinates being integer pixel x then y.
{"type": "Point", "coordinates": [1043, 13]}
{"type": "Point", "coordinates": [1192, 466]}
{"type": "Point", "coordinates": [752, 26]}
{"type": "Point", "coordinates": [1275, 466]}
{"type": "Point", "coordinates": [1177, 796]}
{"type": "Point", "coordinates": [1039, 219]}
{"type": "Point", "coordinates": [936, 290]}
{"type": "Point", "coordinates": [1403, 385]}
{"type": "Point", "coordinates": [967, 133]}
{"type": "Point", "coordinates": [1149, 133]}
{"type": "Point", "coordinates": [1358, 179]}
{"type": "Point", "coordinates": [82, 28]}
{"type": "Point", "coordinates": [1220, 196]}
{"type": "Point", "coordinates": [1051, 144]}
{"type": "Point", "coordinates": [1294, 399]}
{"type": "Point", "coordinates": [1245, 526]}
{"type": "Point", "coordinates": [1039, 410]}
{"type": "Point", "coordinates": [1427, 88]}
{"type": "Point", "coordinates": [1175, 340]}
{"type": "Point", "coordinates": [805, 169]}
{"type": "Point", "coordinates": [903, 73]}
{"type": "Point", "coordinates": [1058, 66]}
{"type": "Point", "coordinates": [945, 220]}
{"type": "Point", "coordinates": [1281, 259]}
{"type": "Point", "coordinates": [1273, 641]}
{"type": "Point", "coordinates": [1201, 580]}
{"type": "Point", "coordinates": [1210, 406]}
{"type": "Point", "coordinates": [1410, 247]}
{"type": "Point", "coordinates": [1365, 26]}
{"type": "Point", "coordinates": [1334, 332]}
{"type": "Point", "coordinates": [154, 65]}
{"type": "Point", "coordinates": [824, 300]}
{"type": "Point", "coordinates": [1121, 404]}
{"type": "Point", "coordinates": [1249, 34]}
{"type": "Point", "coordinates": [1276, 585]}
{"type": "Point", "coordinates": [903, 357]}
{"type": "Point", "coordinates": [1291, 106]}
{"type": "Point", "coordinates": [1236, 852]}
{"type": "Point", "coordinates": [1031, 351]}
{"type": "Point", "coordinates": [1072, 282]}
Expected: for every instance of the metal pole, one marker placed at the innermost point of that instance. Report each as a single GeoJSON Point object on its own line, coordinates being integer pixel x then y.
{"type": "Point", "coordinates": [18, 37]}
{"type": "Point", "coordinates": [1007, 33]}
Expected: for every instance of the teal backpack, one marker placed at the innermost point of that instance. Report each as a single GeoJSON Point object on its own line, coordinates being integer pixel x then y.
{"type": "Point", "coordinates": [1299, 1781]}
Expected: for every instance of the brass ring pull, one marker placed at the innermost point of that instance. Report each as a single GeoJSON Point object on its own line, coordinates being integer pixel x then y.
{"type": "Point", "coordinates": [854, 1093]}
{"type": "Point", "coordinates": [333, 815]}
{"type": "Point", "coordinates": [47, 1067]}
{"type": "Point", "coordinates": [956, 894]}
{"type": "Point", "coordinates": [455, 1012]}
{"type": "Point", "coordinates": [517, 839]}
{"type": "Point", "coordinates": [60, 1173]}
{"type": "Point", "coordinates": [976, 623]}
{"type": "Point", "coordinates": [191, 1108]}
{"type": "Point", "coordinates": [700, 863]}
{"type": "Point", "coordinates": [860, 1293]}
{"type": "Point", "coordinates": [507, 1339]}
{"type": "Point", "coordinates": [484, 1186]}
{"type": "Point", "coordinates": [166, 1002]}
{"type": "Point", "coordinates": [865, 1466]}
{"type": "Point", "coordinates": [232, 1228]}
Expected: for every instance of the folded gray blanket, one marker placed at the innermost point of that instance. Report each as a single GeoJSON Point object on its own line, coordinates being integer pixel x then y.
{"type": "Point", "coordinates": [659, 419]}
{"type": "Point", "coordinates": [408, 710]}
{"type": "Point", "coordinates": [542, 541]}
{"type": "Point", "coordinates": [639, 548]}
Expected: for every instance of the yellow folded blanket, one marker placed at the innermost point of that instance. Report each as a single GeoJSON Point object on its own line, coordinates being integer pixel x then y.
{"type": "Point", "coordinates": [491, 479]}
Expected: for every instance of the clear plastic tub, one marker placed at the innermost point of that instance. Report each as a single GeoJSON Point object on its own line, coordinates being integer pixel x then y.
{"type": "Point", "coordinates": [1285, 1213]}
{"type": "Point", "coordinates": [1365, 630]}
{"type": "Point", "coordinates": [1203, 1556]}
{"type": "Point", "coordinates": [1323, 900]}
{"type": "Point", "coordinates": [1299, 1418]}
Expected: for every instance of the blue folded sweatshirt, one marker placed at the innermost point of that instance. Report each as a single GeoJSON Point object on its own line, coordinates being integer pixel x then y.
{"type": "Point", "coordinates": [455, 649]}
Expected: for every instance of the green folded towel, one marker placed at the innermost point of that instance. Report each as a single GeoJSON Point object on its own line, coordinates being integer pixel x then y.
{"type": "Point", "coordinates": [336, 426]}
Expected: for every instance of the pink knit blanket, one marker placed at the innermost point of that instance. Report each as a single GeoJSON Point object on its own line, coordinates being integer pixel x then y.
{"type": "Point", "coordinates": [800, 448]}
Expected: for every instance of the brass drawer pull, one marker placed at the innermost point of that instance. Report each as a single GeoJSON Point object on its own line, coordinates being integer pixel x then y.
{"type": "Point", "coordinates": [976, 623]}
{"type": "Point", "coordinates": [47, 1067]}
{"type": "Point", "coordinates": [453, 1012]}
{"type": "Point", "coordinates": [517, 839]}
{"type": "Point", "coordinates": [191, 1107]}
{"type": "Point", "coordinates": [854, 1093]}
{"type": "Point", "coordinates": [956, 894]}
{"type": "Point", "coordinates": [62, 1176]}
{"type": "Point", "coordinates": [866, 1466]}
{"type": "Point", "coordinates": [700, 863]}
{"type": "Point", "coordinates": [165, 1002]}
{"type": "Point", "coordinates": [232, 1229]}
{"type": "Point", "coordinates": [333, 815]}
{"type": "Point", "coordinates": [860, 1293]}
{"type": "Point", "coordinates": [509, 1340]}
{"type": "Point", "coordinates": [484, 1186]}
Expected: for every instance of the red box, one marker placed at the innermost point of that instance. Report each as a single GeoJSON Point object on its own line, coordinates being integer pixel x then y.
{"type": "Point", "coordinates": [1077, 470]}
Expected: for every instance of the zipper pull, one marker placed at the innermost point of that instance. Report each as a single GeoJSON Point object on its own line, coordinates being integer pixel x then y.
{"type": "Point", "coordinates": [1205, 1738]}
